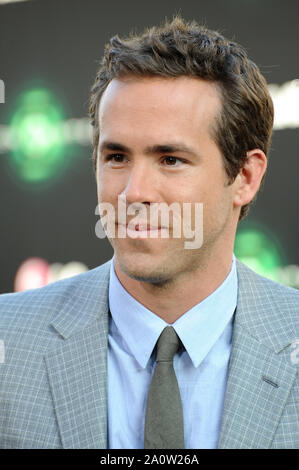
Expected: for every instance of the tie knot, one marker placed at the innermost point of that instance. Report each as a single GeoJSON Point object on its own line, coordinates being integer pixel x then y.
{"type": "Point", "coordinates": [167, 345]}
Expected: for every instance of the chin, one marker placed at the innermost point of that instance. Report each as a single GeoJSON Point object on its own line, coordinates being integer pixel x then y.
{"type": "Point", "coordinates": [140, 270]}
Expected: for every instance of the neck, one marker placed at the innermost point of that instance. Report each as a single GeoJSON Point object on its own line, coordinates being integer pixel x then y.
{"type": "Point", "coordinates": [172, 299]}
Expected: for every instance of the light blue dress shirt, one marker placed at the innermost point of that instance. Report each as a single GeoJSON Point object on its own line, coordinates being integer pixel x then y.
{"type": "Point", "coordinates": [201, 369]}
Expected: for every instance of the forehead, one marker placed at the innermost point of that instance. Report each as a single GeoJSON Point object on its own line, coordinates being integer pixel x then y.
{"type": "Point", "coordinates": [153, 102]}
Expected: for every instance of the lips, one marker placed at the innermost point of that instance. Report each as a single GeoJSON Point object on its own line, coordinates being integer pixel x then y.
{"type": "Point", "coordinates": [142, 230]}
{"type": "Point", "coordinates": [142, 227]}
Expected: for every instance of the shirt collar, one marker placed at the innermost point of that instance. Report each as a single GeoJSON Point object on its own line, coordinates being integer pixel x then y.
{"type": "Point", "coordinates": [198, 329]}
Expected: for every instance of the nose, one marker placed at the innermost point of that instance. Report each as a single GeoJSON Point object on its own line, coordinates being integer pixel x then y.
{"type": "Point", "coordinates": [141, 185]}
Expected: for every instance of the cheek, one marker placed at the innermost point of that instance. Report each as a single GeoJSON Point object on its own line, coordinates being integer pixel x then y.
{"type": "Point", "coordinates": [103, 190]}
{"type": "Point", "coordinates": [108, 187]}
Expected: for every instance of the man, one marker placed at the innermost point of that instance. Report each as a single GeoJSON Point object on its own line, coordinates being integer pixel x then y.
{"type": "Point", "coordinates": [180, 115]}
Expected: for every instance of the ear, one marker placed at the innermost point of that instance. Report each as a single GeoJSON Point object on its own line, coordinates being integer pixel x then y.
{"type": "Point", "coordinates": [249, 179]}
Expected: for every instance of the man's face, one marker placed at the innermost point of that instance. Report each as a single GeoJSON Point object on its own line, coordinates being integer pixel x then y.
{"type": "Point", "coordinates": [155, 146]}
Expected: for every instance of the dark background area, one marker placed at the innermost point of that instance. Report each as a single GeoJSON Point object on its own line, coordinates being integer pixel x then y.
{"type": "Point", "coordinates": [58, 44]}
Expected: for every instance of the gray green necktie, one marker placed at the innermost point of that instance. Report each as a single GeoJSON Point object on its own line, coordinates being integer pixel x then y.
{"type": "Point", "coordinates": [164, 427]}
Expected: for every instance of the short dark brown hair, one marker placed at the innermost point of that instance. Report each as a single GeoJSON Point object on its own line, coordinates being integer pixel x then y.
{"type": "Point", "coordinates": [180, 48]}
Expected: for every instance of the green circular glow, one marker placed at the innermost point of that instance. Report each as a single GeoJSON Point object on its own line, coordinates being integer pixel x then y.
{"type": "Point", "coordinates": [259, 252]}
{"type": "Point", "coordinates": [37, 135]}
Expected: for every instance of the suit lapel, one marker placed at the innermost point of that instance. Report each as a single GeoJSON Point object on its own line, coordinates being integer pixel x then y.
{"type": "Point", "coordinates": [260, 371]}
{"type": "Point", "coordinates": [258, 386]}
{"type": "Point", "coordinates": [77, 368]}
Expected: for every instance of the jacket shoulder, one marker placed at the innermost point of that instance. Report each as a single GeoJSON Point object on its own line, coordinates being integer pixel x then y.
{"type": "Point", "coordinates": [269, 310]}
{"type": "Point", "coordinates": [42, 304]}
{"type": "Point", "coordinates": [255, 283]}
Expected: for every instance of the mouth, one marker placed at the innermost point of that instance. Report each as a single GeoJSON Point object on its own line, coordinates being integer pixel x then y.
{"type": "Point", "coordinates": [138, 230]}
{"type": "Point", "coordinates": [142, 227]}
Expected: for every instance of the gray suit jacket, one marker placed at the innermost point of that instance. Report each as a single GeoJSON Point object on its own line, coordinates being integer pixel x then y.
{"type": "Point", "coordinates": [53, 371]}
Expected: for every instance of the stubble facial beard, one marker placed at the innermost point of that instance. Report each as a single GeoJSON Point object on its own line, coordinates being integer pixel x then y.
{"type": "Point", "coordinates": [174, 268]}
{"type": "Point", "coordinates": [157, 276]}
{"type": "Point", "coordinates": [179, 263]}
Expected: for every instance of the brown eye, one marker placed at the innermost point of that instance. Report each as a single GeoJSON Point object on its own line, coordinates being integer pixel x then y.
{"type": "Point", "coordinates": [115, 157]}
{"type": "Point", "coordinates": [171, 161]}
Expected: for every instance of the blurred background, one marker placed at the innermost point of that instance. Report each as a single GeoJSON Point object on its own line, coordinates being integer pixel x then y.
{"type": "Point", "coordinates": [49, 54]}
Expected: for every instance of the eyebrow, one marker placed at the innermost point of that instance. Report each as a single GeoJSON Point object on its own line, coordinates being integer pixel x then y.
{"type": "Point", "coordinates": [155, 149]}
